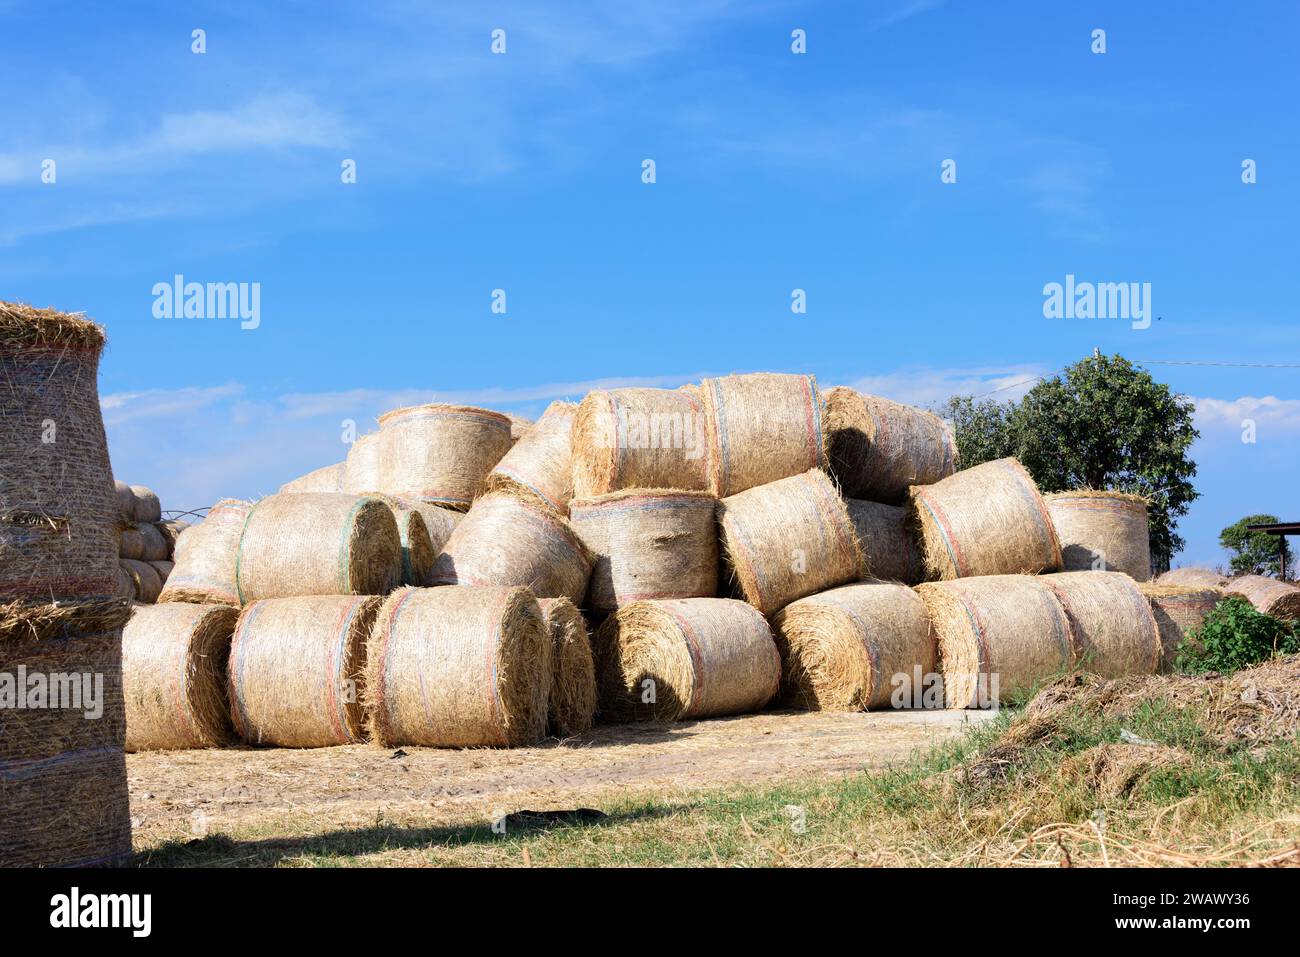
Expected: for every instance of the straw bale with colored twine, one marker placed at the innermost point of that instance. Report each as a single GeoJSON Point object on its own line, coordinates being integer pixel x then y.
{"type": "Point", "coordinates": [761, 427]}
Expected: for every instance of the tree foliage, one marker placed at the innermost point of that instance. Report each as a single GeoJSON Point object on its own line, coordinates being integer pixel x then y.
{"type": "Point", "coordinates": [1254, 553]}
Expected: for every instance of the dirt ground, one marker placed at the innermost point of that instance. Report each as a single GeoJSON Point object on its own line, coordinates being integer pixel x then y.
{"type": "Point", "coordinates": [181, 794]}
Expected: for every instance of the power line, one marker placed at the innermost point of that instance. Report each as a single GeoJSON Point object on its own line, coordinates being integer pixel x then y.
{"type": "Point", "coordinates": [1231, 365]}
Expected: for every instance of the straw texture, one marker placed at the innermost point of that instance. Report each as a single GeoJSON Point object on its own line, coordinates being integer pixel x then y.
{"type": "Point", "coordinates": [889, 551]}
{"type": "Point", "coordinates": [1193, 575]}
{"type": "Point", "coordinates": [684, 658]}
{"type": "Point", "coordinates": [327, 479]}
{"type": "Point", "coordinates": [1272, 597]}
{"type": "Point", "coordinates": [417, 545]}
{"type": "Point", "coordinates": [458, 667]}
{"type": "Point", "coordinates": [879, 448]}
{"type": "Point", "coordinates": [519, 426]}
{"type": "Point", "coordinates": [24, 620]}
{"type": "Point", "coordinates": [1114, 631]}
{"type": "Point", "coordinates": [361, 469]}
{"type": "Point", "coordinates": [296, 670]}
{"type": "Point", "coordinates": [206, 556]}
{"type": "Point", "coordinates": [1104, 531]}
{"type": "Point", "coordinates": [318, 543]}
{"type": "Point", "coordinates": [639, 438]}
{"type": "Point", "coordinates": [148, 583]}
{"type": "Point", "coordinates": [147, 508]}
{"type": "Point", "coordinates": [130, 543]}
{"type": "Point", "coordinates": [440, 453]}
{"type": "Point", "coordinates": [986, 520]}
{"type": "Point", "coordinates": [648, 543]}
{"type": "Point", "coordinates": [788, 539]}
{"type": "Point", "coordinates": [153, 543]}
{"type": "Point", "coordinates": [572, 706]}
{"type": "Point", "coordinates": [125, 502]}
{"type": "Point", "coordinates": [541, 463]}
{"type": "Point", "coordinates": [438, 521]}
{"type": "Point", "coordinates": [761, 428]}
{"type": "Point", "coordinates": [174, 676]}
{"type": "Point", "coordinates": [1179, 611]}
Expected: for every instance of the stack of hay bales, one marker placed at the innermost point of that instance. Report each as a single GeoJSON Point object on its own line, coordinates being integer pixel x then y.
{"type": "Point", "coordinates": [1277, 598]}
{"type": "Point", "coordinates": [146, 543]}
{"type": "Point", "coordinates": [63, 794]}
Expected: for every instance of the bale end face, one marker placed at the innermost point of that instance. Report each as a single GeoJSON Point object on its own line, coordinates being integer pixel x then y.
{"type": "Point", "coordinates": [572, 706]}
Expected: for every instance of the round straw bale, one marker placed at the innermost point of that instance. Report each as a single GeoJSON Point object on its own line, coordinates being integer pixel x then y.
{"type": "Point", "coordinates": [639, 438]}
{"type": "Point", "coordinates": [125, 502]}
{"type": "Point", "coordinates": [841, 649]}
{"type": "Point", "coordinates": [986, 520]}
{"type": "Point", "coordinates": [206, 556]}
{"type": "Point", "coordinates": [458, 667]}
{"type": "Point", "coordinates": [889, 551]}
{"type": "Point", "coordinates": [361, 468]}
{"type": "Point", "coordinates": [153, 543]}
{"type": "Point", "coordinates": [440, 453]}
{"type": "Point", "coordinates": [296, 668]}
{"type": "Point", "coordinates": [1114, 631]}
{"type": "Point", "coordinates": [761, 427]}
{"type": "Point", "coordinates": [148, 585]}
{"type": "Point", "coordinates": [174, 676]}
{"type": "Point", "coordinates": [541, 463]}
{"type": "Point", "coordinates": [683, 658]}
{"type": "Point", "coordinates": [1277, 598]}
{"type": "Point", "coordinates": [438, 521]}
{"type": "Point", "coordinates": [417, 545]}
{"type": "Point", "coordinates": [1104, 531]}
{"type": "Point", "coordinates": [1193, 575]}
{"type": "Point", "coordinates": [648, 543]}
{"type": "Point", "coordinates": [1179, 611]}
{"type": "Point", "coordinates": [327, 479]}
{"type": "Point", "coordinates": [164, 569]}
{"type": "Point", "coordinates": [519, 426]}
{"type": "Point", "coordinates": [573, 678]}
{"type": "Point", "coordinates": [878, 448]}
{"type": "Point", "coordinates": [125, 582]}
{"type": "Point", "coordinates": [507, 541]}
{"type": "Point", "coordinates": [788, 539]}
{"type": "Point", "coordinates": [147, 507]}
{"type": "Point", "coordinates": [318, 543]}
{"type": "Point", "coordinates": [171, 530]}
{"type": "Point", "coordinates": [130, 543]}
{"type": "Point", "coordinates": [996, 635]}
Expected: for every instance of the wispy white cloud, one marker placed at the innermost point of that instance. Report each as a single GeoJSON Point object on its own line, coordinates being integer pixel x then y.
{"type": "Point", "coordinates": [927, 387]}
{"type": "Point", "coordinates": [1269, 413]}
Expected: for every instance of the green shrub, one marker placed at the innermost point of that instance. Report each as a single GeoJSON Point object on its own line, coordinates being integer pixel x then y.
{"type": "Point", "coordinates": [1234, 636]}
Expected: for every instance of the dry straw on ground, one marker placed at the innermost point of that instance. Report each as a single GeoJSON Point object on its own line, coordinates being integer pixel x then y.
{"type": "Point", "coordinates": [1008, 626]}
{"type": "Point", "coordinates": [573, 678]}
{"type": "Point", "coordinates": [440, 453]}
{"type": "Point", "coordinates": [879, 448]}
{"type": "Point", "coordinates": [1193, 575]}
{"type": "Point", "coordinates": [174, 676]}
{"type": "Point", "coordinates": [1113, 628]}
{"type": "Point", "coordinates": [295, 675]}
{"type": "Point", "coordinates": [1102, 531]}
{"type": "Point", "coordinates": [684, 658]}
{"type": "Point", "coordinates": [639, 438]}
{"type": "Point", "coordinates": [841, 649]}
{"type": "Point", "coordinates": [648, 543]}
{"type": "Point", "coordinates": [761, 427]}
{"type": "Point", "coordinates": [509, 541]}
{"type": "Point", "coordinates": [1272, 597]}
{"type": "Point", "coordinates": [147, 507]}
{"type": "Point", "coordinates": [788, 539]}
{"type": "Point", "coordinates": [318, 543]}
{"type": "Point", "coordinates": [1179, 611]}
{"type": "Point", "coordinates": [361, 469]}
{"type": "Point", "coordinates": [889, 551]}
{"type": "Point", "coordinates": [327, 479]}
{"type": "Point", "coordinates": [541, 463]}
{"type": "Point", "coordinates": [206, 556]}
{"type": "Point", "coordinates": [148, 583]}
{"type": "Point", "coordinates": [458, 667]}
{"type": "Point", "coordinates": [986, 520]}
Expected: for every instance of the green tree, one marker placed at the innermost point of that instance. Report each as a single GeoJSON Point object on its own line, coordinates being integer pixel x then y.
{"type": "Point", "coordinates": [1254, 553]}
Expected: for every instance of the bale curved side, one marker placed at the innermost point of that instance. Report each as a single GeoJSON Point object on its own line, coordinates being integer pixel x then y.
{"type": "Point", "coordinates": [1272, 597]}
{"type": "Point", "coordinates": [889, 552]}
{"type": "Point", "coordinates": [540, 464]}
{"type": "Point", "coordinates": [326, 479]}
{"type": "Point", "coordinates": [1192, 575]}
{"type": "Point", "coordinates": [206, 555]}
{"type": "Point", "coordinates": [361, 468]}
{"type": "Point", "coordinates": [440, 453]}
{"type": "Point", "coordinates": [761, 428]}
{"type": "Point", "coordinates": [1179, 611]}
{"type": "Point", "coordinates": [879, 448]}
{"type": "Point", "coordinates": [1104, 531]}
{"type": "Point", "coordinates": [639, 438]}
{"type": "Point", "coordinates": [1114, 630]}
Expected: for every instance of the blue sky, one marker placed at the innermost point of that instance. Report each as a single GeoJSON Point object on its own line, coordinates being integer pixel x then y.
{"type": "Point", "coordinates": [775, 171]}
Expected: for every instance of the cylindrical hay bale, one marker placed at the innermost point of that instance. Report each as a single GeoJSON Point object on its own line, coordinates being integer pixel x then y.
{"type": "Point", "coordinates": [685, 658]}
{"type": "Point", "coordinates": [1102, 531]}
{"type": "Point", "coordinates": [986, 520]}
{"type": "Point", "coordinates": [130, 543]}
{"type": "Point", "coordinates": [841, 649]}
{"type": "Point", "coordinates": [438, 521]}
{"type": "Point", "coordinates": [296, 670]}
{"type": "Point", "coordinates": [327, 479]}
{"type": "Point", "coordinates": [761, 428]}
{"type": "Point", "coordinates": [164, 570]}
{"type": "Point", "coordinates": [440, 453]}
{"type": "Point", "coordinates": [361, 468]}
{"type": "Point", "coordinates": [174, 676]}
{"type": "Point", "coordinates": [1193, 575]}
{"type": "Point", "coordinates": [171, 530]}
{"type": "Point", "coordinates": [639, 438]}
{"type": "Point", "coordinates": [458, 668]}
{"type": "Point", "coordinates": [879, 448]}
{"type": "Point", "coordinates": [125, 502]}
{"type": "Point", "coordinates": [788, 539]}
{"type": "Point", "coordinates": [541, 463]}
{"type": "Point", "coordinates": [206, 556]}
{"type": "Point", "coordinates": [506, 541]}
{"type": "Point", "coordinates": [147, 507]}
{"type": "Point", "coordinates": [148, 585]}
{"type": "Point", "coordinates": [417, 546]}
{"type": "Point", "coordinates": [889, 551]}
{"type": "Point", "coordinates": [996, 635]}
{"type": "Point", "coordinates": [572, 704]}
{"type": "Point", "coordinates": [318, 543]}
{"type": "Point", "coordinates": [519, 426]}
{"type": "Point", "coordinates": [58, 509]}
{"type": "Point", "coordinates": [1179, 611]}
{"type": "Point", "coordinates": [648, 543]}
{"type": "Point", "coordinates": [153, 543]}
{"type": "Point", "coordinates": [1272, 597]}
{"type": "Point", "coordinates": [125, 582]}
{"type": "Point", "coordinates": [1113, 628]}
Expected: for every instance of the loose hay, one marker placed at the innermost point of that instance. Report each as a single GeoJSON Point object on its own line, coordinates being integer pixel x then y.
{"type": "Point", "coordinates": [1104, 531]}
{"type": "Point", "coordinates": [648, 543]}
{"type": "Point", "coordinates": [458, 667]}
{"type": "Point", "coordinates": [296, 670]}
{"type": "Point", "coordinates": [761, 428]}
{"type": "Point", "coordinates": [1113, 629]}
{"type": "Point", "coordinates": [879, 448]}
{"type": "Point", "coordinates": [361, 469]}
{"type": "Point", "coordinates": [174, 676]}
{"type": "Point", "coordinates": [996, 635]}
{"type": "Point", "coordinates": [541, 463]}
{"type": "Point", "coordinates": [573, 678]}
{"type": "Point", "coordinates": [1272, 597]}
{"type": "Point", "coordinates": [1193, 575]}
{"type": "Point", "coordinates": [685, 658]}
{"type": "Point", "coordinates": [147, 507]}
{"type": "Point", "coordinates": [788, 539]}
{"type": "Point", "coordinates": [148, 583]}
{"type": "Point", "coordinates": [986, 520]}
{"type": "Point", "coordinates": [1179, 610]}
{"type": "Point", "coordinates": [327, 479]}
{"type": "Point", "coordinates": [889, 551]}
{"type": "Point", "coordinates": [318, 543]}
{"type": "Point", "coordinates": [842, 649]}
{"type": "Point", "coordinates": [206, 555]}
{"type": "Point", "coordinates": [508, 541]}
{"type": "Point", "coordinates": [440, 453]}
{"type": "Point", "coordinates": [639, 438]}
{"type": "Point", "coordinates": [30, 621]}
